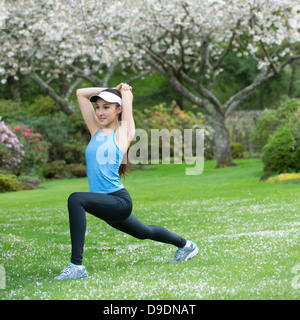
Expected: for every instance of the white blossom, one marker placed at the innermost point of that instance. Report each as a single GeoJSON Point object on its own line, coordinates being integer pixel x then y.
{"type": "Point", "coordinates": [49, 35]}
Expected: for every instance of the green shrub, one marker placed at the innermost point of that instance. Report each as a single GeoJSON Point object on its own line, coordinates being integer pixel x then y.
{"type": "Point", "coordinates": [74, 149]}
{"type": "Point", "coordinates": [43, 106]}
{"type": "Point", "coordinates": [77, 170]}
{"type": "Point", "coordinates": [282, 152]}
{"type": "Point", "coordinates": [55, 169]}
{"type": "Point", "coordinates": [269, 122]}
{"type": "Point", "coordinates": [9, 182]}
{"type": "Point", "coordinates": [60, 170]}
{"type": "Point", "coordinates": [55, 130]}
{"type": "Point", "coordinates": [9, 108]}
{"type": "Point", "coordinates": [29, 182]}
{"type": "Point", "coordinates": [237, 150]}
{"type": "Point", "coordinates": [67, 135]}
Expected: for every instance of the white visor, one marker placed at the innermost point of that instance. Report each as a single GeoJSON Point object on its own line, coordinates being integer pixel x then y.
{"type": "Point", "coordinates": [108, 97]}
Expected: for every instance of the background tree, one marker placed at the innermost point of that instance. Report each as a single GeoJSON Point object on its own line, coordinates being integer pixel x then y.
{"type": "Point", "coordinates": [188, 41]}
{"type": "Point", "coordinates": [61, 42]}
{"type": "Point", "coordinates": [52, 42]}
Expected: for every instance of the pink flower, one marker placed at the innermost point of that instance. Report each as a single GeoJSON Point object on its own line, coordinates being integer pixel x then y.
{"type": "Point", "coordinates": [17, 128]}
{"type": "Point", "coordinates": [156, 112]}
{"type": "Point", "coordinates": [37, 140]}
{"type": "Point", "coordinates": [25, 134]}
{"type": "Point", "coordinates": [42, 147]}
{"type": "Point", "coordinates": [149, 119]}
{"type": "Point", "coordinates": [186, 117]}
{"type": "Point", "coordinates": [175, 109]}
{"type": "Point", "coordinates": [27, 130]}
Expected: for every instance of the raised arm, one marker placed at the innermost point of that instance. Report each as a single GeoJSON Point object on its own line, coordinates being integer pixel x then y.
{"type": "Point", "coordinates": [87, 109]}
{"type": "Point", "coordinates": [127, 112]}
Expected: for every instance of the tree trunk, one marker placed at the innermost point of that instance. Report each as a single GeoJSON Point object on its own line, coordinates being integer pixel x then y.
{"type": "Point", "coordinates": [221, 142]}
{"type": "Point", "coordinates": [15, 89]}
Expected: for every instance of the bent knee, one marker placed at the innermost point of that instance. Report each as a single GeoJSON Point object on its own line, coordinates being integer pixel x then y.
{"type": "Point", "coordinates": [74, 197]}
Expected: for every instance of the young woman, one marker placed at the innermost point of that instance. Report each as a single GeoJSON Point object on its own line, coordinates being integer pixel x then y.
{"type": "Point", "coordinates": [108, 199]}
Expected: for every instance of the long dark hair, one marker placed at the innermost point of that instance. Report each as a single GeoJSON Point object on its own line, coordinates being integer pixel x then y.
{"type": "Point", "coordinates": [124, 167]}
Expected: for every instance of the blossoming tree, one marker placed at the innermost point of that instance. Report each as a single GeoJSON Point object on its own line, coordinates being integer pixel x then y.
{"type": "Point", "coordinates": [50, 40]}
{"type": "Point", "coordinates": [188, 40]}
{"type": "Point", "coordinates": [185, 40]}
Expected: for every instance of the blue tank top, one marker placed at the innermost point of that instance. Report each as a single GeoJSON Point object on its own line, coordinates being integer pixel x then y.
{"type": "Point", "coordinates": [103, 160]}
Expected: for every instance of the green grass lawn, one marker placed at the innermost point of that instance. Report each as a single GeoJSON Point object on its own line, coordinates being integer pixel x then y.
{"type": "Point", "coordinates": [247, 232]}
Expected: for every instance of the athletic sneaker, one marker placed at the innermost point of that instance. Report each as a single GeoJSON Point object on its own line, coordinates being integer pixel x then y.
{"type": "Point", "coordinates": [185, 253]}
{"type": "Point", "coordinates": [72, 271]}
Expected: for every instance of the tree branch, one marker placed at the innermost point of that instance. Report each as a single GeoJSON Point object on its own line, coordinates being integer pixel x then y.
{"type": "Point", "coordinates": [210, 97]}
{"type": "Point", "coordinates": [169, 74]}
{"type": "Point", "coordinates": [262, 77]}
{"type": "Point", "coordinates": [268, 57]}
{"type": "Point", "coordinates": [72, 88]}
{"type": "Point", "coordinates": [204, 58]}
{"type": "Point", "coordinates": [109, 73]}
{"type": "Point", "coordinates": [85, 75]}
{"type": "Point", "coordinates": [64, 105]}
{"type": "Point", "coordinates": [138, 76]}
{"type": "Point", "coordinates": [227, 50]}
{"type": "Point", "coordinates": [288, 61]}
{"type": "Point", "coordinates": [236, 99]}
{"type": "Point", "coordinates": [242, 45]}
{"type": "Point", "coordinates": [182, 50]}
{"type": "Point", "coordinates": [169, 71]}
{"type": "Point", "coordinates": [159, 59]}
{"type": "Point", "coordinates": [188, 79]}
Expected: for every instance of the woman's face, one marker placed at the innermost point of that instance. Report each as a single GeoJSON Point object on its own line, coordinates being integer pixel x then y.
{"type": "Point", "coordinates": [107, 112]}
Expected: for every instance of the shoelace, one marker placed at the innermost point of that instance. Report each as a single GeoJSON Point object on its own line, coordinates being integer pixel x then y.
{"type": "Point", "coordinates": [67, 270]}
{"type": "Point", "coordinates": [179, 253]}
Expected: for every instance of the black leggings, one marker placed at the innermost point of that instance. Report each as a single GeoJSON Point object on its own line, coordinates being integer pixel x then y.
{"type": "Point", "coordinates": [115, 209]}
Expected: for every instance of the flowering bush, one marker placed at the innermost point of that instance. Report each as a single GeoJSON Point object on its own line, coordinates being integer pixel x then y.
{"type": "Point", "coordinates": [35, 149]}
{"type": "Point", "coordinates": [285, 177]}
{"type": "Point", "coordinates": [171, 117]}
{"type": "Point", "coordinates": [11, 152]}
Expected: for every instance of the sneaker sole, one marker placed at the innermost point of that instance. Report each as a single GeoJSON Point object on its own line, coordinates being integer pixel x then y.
{"type": "Point", "coordinates": [84, 276]}
{"type": "Point", "coordinates": [192, 254]}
